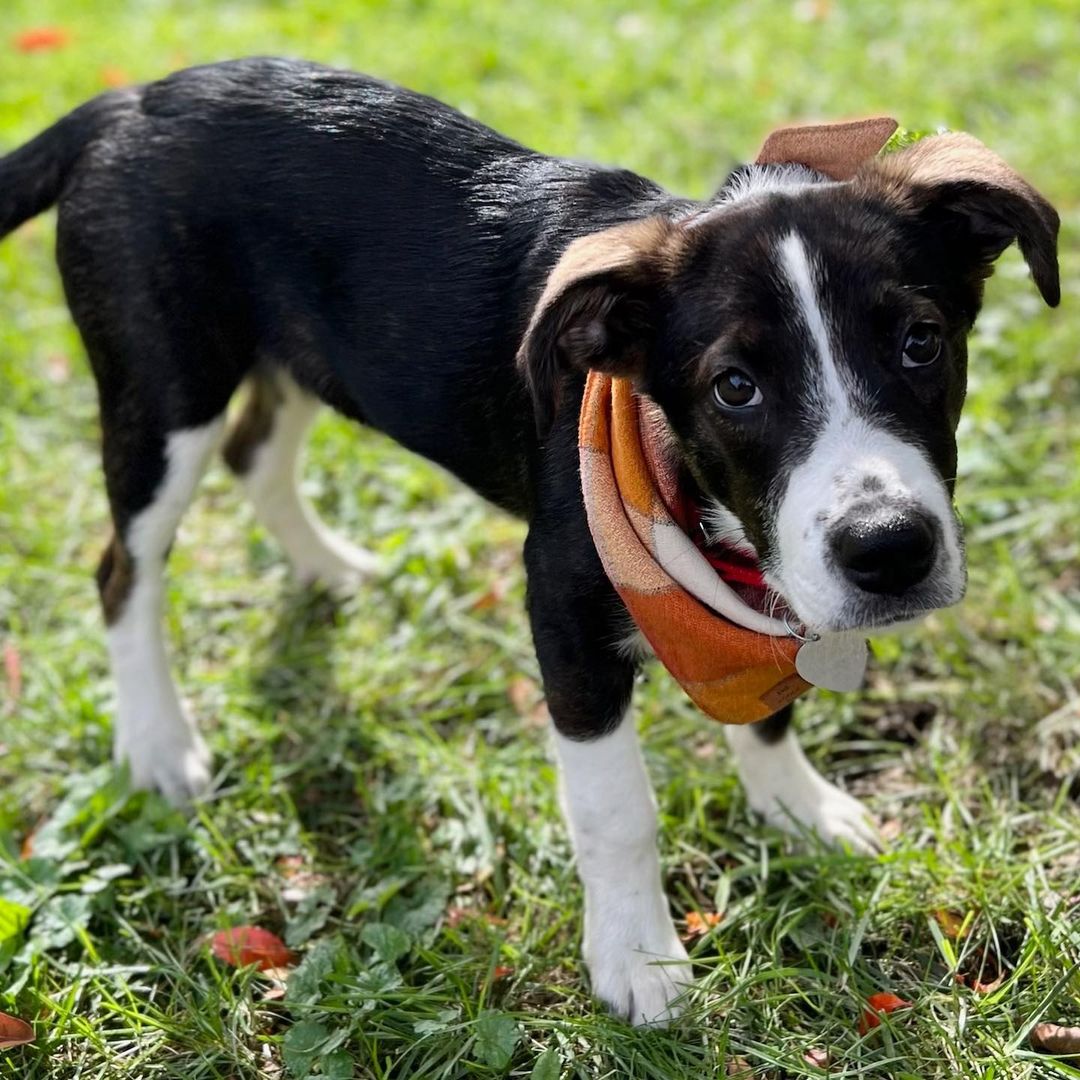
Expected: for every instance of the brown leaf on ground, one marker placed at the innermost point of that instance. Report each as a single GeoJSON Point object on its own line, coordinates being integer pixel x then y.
{"type": "Point", "coordinates": [1056, 1039]}
{"type": "Point", "coordinates": [244, 945]}
{"type": "Point", "coordinates": [987, 987]}
{"type": "Point", "coordinates": [14, 1032]}
{"type": "Point", "coordinates": [738, 1068]}
{"type": "Point", "coordinates": [952, 924]}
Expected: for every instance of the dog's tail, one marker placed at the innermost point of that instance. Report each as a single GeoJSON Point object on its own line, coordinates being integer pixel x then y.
{"type": "Point", "coordinates": [32, 177]}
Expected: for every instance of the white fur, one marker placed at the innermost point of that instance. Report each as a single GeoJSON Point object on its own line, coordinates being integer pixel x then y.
{"type": "Point", "coordinates": [760, 181]}
{"type": "Point", "coordinates": [849, 450]}
{"type": "Point", "coordinates": [792, 795]}
{"type": "Point", "coordinates": [272, 484]}
{"type": "Point", "coordinates": [634, 646]}
{"type": "Point", "coordinates": [153, 733]}
{"type": "Point", "coordinates": [723, 527]}
{"type": "Point", "coordinates": [637, 963]}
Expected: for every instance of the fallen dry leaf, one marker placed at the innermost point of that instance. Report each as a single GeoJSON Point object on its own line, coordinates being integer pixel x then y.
{"type": "Point", "coordinates": [987, 987]}
{"type": "Point", "coordinates": [738, 1068]}
{"type": "Point", "coordinates": [502, 971]}
{"type": "Point", "coordinates": [952, 924]}
{"type": "Point", "coordinates": [244, 945]}
{"type": "Point", "coordinates": [879, 1005]}
{"type": "Point", "coordinates": [699, 923]}
{"type": "Point", "coordinates": [14, 1032]}
{"type": "Point", "coordinates": [41, 39]}
{"type": "Point", "coordinates": [1057, 1040]}
{"type": "Point", "coordinates": [820, 1059]}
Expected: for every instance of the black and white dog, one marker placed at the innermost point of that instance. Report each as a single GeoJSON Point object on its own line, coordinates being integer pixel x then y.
{"type": "Point", "coordinates": [322, 236]}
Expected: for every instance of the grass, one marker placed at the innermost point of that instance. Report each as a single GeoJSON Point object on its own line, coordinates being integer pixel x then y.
{"type": "Point", "coordinates": [383, 801]}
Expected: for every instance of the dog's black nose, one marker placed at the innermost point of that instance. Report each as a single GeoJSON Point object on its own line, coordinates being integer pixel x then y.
{"type": "Point", "coordinates": [887, 552]}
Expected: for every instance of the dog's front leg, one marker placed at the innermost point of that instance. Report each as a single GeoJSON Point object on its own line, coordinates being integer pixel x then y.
{"type": "Point", "coordinates": [636, 961]}
{"type": "Point", "coordinates": [637, 964]}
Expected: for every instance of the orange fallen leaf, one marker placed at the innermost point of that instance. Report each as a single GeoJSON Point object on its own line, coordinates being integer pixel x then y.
{"type": "Point", "coordinates": [41, 39]}
{"type": "Point", "coordinates": [14, 1032]}
{"type": "Point", "coordinates": [244, 945]}
{"type": "Point", "coordinates": [114, 76]}
{"type": "Point", "coordinates": [486, 601]}
{"type": "Point", "coordinates": [12, 671]}
{"type": "Point", "coordinates": [952, 924]}
{"type": "Point", "coordinates": [1056, 1039]}
{"type": "Point", "coordinates": [502, 971]}
{"type": "Point", "coordinates": [880, 1004]}
{"type": "Point", "coordinates": [698, 923]}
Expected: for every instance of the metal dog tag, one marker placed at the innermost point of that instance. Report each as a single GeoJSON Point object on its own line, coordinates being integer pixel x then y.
{"type": "Point", "coordinates": [833, 662]}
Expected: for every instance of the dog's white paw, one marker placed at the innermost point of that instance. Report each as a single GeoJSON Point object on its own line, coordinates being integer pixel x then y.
{"type": "Point", "coordinates": [177, 765]}
{"type": "Point", "coordinates": [784, 787]}
{"type": "Point", "coordinates": [822, 808]}
{"type": "Point", "coordinates": [337, 564]}
{"type": "Point", "coordinates": [637, 967]}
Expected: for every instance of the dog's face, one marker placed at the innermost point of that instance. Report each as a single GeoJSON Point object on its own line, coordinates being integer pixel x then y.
{"type": "Point", "coordinates": [806, 341]}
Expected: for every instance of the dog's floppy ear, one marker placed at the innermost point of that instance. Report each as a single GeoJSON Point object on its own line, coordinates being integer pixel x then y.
{"type": "Point", "coordinates": [954, 181]}
{"type": "Point", "coordinates": [598, 309]}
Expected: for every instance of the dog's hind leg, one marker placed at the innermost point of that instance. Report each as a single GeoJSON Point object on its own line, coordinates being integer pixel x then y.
{"type": "Point", "coordinates": [264, 450]}
{"type": "Point", "coordinates": [151, 479]}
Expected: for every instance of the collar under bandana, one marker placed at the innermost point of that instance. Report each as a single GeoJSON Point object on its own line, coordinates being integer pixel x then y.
{"type": "Point", "coordinates": [702, 612]}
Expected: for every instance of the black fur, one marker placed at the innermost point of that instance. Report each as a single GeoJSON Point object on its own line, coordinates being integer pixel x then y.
{"type": "Point", "coordinates": [388, 252]}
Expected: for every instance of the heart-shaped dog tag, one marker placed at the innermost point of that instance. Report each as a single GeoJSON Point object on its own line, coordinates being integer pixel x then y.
{"type": "Point", "coordinates": [833, 661]}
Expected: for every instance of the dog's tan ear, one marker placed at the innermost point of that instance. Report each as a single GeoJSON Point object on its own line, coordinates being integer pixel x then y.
{"type": "Point", "coordinates": [598, 309]}
{"type": "Point", "coordinates": [954, 180]}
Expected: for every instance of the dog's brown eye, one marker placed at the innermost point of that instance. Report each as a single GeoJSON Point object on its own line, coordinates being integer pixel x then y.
{"type": "Point", "coordinates": [922, 345]}
{"type": "Point", "coordinates": [735, 389]}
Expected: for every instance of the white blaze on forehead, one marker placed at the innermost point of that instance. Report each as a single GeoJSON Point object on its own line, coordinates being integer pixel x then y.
{"type": "Point", "coordinates": [829, 392]}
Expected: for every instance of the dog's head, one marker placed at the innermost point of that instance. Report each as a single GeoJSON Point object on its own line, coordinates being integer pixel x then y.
{"type": "Point", "coordinates": [806, 340]}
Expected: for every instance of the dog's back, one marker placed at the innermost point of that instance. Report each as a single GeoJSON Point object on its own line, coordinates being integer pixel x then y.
{"type": "Point", "coordinates": [377, 244]}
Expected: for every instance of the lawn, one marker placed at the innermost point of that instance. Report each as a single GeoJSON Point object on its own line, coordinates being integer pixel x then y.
{"type": "Point", "coordinates": [385, 799]}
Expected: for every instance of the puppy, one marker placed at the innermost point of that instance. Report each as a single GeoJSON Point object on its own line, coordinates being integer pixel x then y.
{"type": "Point", "coordinates": [324, 237]}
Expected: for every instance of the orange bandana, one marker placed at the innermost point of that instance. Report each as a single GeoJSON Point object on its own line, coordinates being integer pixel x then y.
{"type": "Point", "coordinates": [736, 664]}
